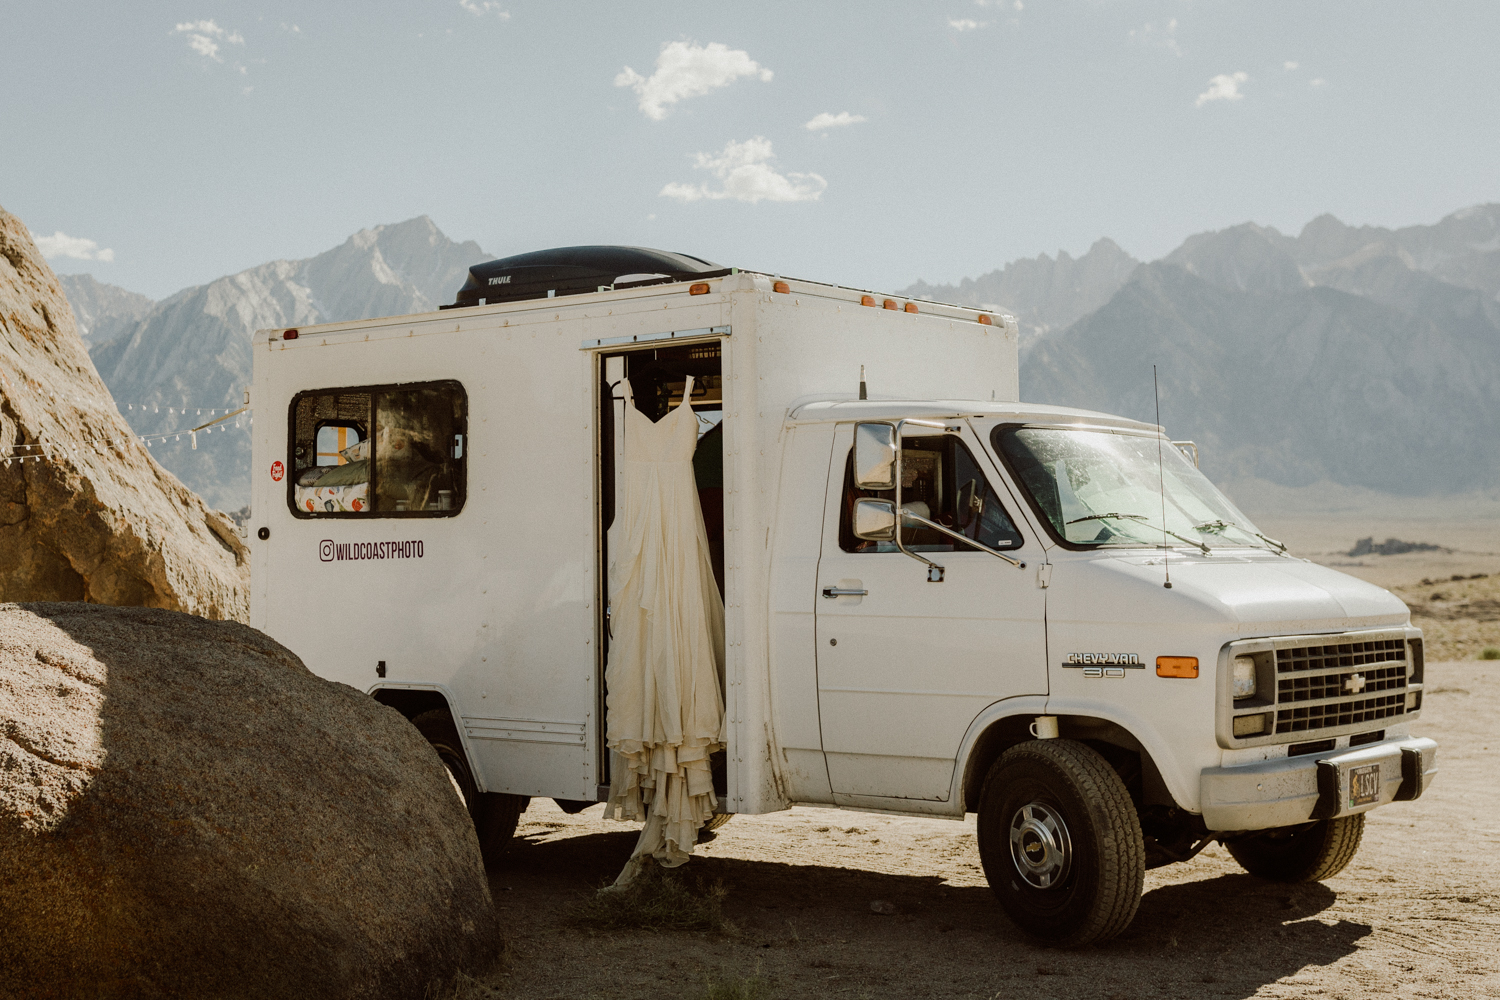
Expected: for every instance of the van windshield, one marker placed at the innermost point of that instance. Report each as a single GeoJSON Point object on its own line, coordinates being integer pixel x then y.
{"type": "Point", "coordinates": [1101, 487]}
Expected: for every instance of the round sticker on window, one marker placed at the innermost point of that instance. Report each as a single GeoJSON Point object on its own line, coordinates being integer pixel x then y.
{"type": "Point", "coordinates": [277, 471]}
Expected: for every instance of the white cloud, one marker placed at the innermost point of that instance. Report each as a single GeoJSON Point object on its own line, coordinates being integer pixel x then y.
{"type": "Point", "coordinates": [965, 24]}
{"type": "Point", "coordinates": [60, 244]}
{"type": "Point", "coordinates": [1151, 36]}
{"type": "Point", "coordinates": [825, 121]}
{"type": "Point", "coordinates": [1317, 81]}
{"type": "Point", "coordinates": [1288, 65]}
{"type": "Point", "coordinates": [479, 8]}
{"type": "Point", "coordinates": [203, 37]}
{"type": "Point", "coordinates": [1224, 87]}
{"type": "Point", "coordinates": [744, 172]}
{"type": "Point", "coordinates": [686, 69]}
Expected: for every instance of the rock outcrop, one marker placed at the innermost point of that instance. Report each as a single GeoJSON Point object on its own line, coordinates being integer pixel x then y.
{"type": "Point", "coordinates": [187, 811]}
{"type": "Point", "coordinates": [86, 514]}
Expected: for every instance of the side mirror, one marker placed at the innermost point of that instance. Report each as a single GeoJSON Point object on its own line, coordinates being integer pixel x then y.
{"type": "Point", "coordinates": [874, 520]}
{"type": "Point", "coordinates": [875, 458]}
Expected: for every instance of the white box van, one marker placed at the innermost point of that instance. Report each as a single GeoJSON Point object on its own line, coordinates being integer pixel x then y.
{"type": "Point", "coordinates": [431, 498]}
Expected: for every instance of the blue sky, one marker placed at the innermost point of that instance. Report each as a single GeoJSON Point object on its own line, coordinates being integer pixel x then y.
{"type": "Point", "coordinates": [192, 139]}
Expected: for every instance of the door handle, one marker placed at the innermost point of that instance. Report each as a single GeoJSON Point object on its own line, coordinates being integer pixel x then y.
{"type": "Point", "coordinates": [843, 592]}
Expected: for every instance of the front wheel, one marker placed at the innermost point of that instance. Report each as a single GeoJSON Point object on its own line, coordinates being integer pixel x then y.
{"type": "Point", "coordinates": [494, 814]}
{"type": "Point", "coordinates": [1301, 853]}
{"type": "Point", "coordinates": [1061, 843]}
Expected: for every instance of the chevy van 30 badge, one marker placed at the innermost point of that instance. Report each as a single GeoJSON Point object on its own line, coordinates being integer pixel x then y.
{"type": "Point", "coordinates": [1104, 660]}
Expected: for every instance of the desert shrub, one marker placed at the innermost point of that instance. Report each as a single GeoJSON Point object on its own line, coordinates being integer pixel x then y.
{"type": "Point", "coordinates": [656, 901]}
{"type": "Point", "coordinates": [1490, 653]}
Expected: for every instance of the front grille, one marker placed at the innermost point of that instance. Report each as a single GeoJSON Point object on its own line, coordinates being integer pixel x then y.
{"type": "Point", "coordinates": [1293, 689]}
{"type": "Point", "coordinates": [1339, 684]}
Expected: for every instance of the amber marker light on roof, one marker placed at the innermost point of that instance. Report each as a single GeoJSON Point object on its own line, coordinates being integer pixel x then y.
{"type": "Point", "coordinates": [985, 320]}
{"type": "Point", "coordinates": [782, 287]}
{"type": "Point", "coordinates": [890, 304]}
{"type": "Point", "coordinates": [911, 307]}
{"type": "Point", "coordinates": [867, 300]}
{"type": "Point", "coordinates": [701, 288]}
{"type": "Point", "coordinates": [1177, 666]}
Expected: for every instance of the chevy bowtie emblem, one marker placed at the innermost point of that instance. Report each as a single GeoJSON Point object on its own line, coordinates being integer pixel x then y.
{"type": "Point", "coordinates": [1355, 684]}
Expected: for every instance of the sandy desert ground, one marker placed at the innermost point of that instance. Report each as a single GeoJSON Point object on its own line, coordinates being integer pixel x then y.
{"type": "Point", "coordinates": [1417, 914]}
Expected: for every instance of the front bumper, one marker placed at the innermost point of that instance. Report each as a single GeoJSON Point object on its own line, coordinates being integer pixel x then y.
{"type": "Point", "coordinates": [1291, 790]}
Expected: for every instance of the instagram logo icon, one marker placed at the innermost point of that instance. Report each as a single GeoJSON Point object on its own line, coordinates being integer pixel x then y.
{"type": "Point", "coordinates": [325, 550]}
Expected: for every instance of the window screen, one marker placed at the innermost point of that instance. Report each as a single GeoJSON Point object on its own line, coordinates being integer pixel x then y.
{"type": "Point", "coordinates": [381, 451]}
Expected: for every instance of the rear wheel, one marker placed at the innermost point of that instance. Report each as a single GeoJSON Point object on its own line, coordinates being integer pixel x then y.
{"type": "Point", "coordinates": [1060, 842]}
{"type": "Point", "coordinates": [1302, 853]}
{"type": "Point", "coordinates": [494, 815]}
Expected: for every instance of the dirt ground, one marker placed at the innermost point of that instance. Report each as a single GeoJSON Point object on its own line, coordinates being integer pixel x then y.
{"type": "Point", "coordinates": [1417, 914]}
{"type": "Point", "coordinates": [1453, 591]}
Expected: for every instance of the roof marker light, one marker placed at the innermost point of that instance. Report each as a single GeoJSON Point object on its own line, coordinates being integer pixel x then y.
{"type": "Point", "coordinates": [701, 288]}
{"type": "Point", "coordinates": [890, 304]}
{"type": "Point", "coordinates": [985, 320]}
{"type": "Point", "coordinates": [911, 307]}
{"type": "Point", "coordinates": [867, 300]}
{"type": "Point", "coordinates": [782, 287]}
{"type": "Point", "coordinates": [289, 335]}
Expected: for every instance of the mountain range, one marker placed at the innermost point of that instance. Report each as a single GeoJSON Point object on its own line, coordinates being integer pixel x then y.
{"type": "Point", "coordinates": [1360, 356]}
{"type": "Point", "coordinates": [184, 361]}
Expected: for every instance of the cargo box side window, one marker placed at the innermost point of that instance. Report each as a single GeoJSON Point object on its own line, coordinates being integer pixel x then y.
{"type": "Point", "coordinates": [941, 482]}
{"type": "Point", "coordinates": [378, 451]}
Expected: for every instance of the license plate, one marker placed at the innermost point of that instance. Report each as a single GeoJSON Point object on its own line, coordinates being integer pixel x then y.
{"type": "Point", "coordinates": [1364, 785]}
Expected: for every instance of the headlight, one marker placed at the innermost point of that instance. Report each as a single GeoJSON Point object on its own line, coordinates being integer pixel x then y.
{"type": "Point", "coordinates": [1244, 677]}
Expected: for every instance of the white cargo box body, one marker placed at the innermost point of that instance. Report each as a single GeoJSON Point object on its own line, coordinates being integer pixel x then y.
{"type": "Point", "coordinates": [498, 608]}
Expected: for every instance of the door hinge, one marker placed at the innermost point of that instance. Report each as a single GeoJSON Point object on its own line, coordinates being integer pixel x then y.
{"type": "Point", "coordinates": [1044, 575]}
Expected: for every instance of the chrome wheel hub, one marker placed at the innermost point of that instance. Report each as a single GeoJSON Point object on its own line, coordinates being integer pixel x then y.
{"type": "Point", "coordinates": [1039, 845]}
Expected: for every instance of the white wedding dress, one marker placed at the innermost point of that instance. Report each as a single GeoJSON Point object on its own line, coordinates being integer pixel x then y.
{"type": "Point", "coordinates": [665, 704]}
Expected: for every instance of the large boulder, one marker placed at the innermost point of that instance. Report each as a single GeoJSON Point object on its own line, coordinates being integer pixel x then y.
{"type": "Point", "coordinates": [187, 811]}
{"type": "Point", "coordinates": [86, 514]}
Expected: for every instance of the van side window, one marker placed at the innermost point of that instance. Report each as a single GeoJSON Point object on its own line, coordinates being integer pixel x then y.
{"type": "Point", "coordinates": [941, 482]}
{"type": "Point", "coordinates": [381, 451]}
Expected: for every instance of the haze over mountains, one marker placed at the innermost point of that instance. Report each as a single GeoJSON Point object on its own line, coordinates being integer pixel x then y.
{"type": "Point", "coordinates": [1360, 356]}
{"type": "Point", "coordinates": [186, 360]}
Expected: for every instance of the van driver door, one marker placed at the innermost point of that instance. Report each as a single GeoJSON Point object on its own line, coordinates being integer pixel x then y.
{"type": "Point", "coordinates": [904, 664]}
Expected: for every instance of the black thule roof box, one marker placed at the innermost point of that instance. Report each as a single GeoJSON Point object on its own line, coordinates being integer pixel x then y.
{"type": "Point", "coordinates": [543, 274]}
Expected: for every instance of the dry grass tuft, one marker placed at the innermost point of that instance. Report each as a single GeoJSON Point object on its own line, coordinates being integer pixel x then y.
{"type": "Point", "coordinates": [737, 988]}
{"type": "Point", "coordinates": [656, 901]}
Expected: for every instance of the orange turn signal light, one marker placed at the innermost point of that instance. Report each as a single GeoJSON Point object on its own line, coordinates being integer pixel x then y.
{"type": "Point", "coordinates": [911, 307]}
{"type": "Point", "coordinates": [867, 300]}
{"type": "Point", "coordinates": [985, 320]}
{"type": "Point", "coordinates": [890, 304]}
{"type": "Point", "coordinates": [782, 287]}
{"type": "Point", "coordinates": [701, 288]}
{"type": "Point", "coordinates": [1177, 666]}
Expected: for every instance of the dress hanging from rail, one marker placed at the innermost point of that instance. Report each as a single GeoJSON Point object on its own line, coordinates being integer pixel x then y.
{"type": "Point", "coordinates": [666, 707]}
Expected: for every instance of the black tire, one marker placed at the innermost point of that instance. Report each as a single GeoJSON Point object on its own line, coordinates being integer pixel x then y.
{"type": "Point", "coordinates": [1300, 853]}
{"type": "Point", "coordinates": [494, 815]}
{"type": "Point", "coordinates": [717, 820]}
{"type": "Point", "coordinates": [1061, 843]}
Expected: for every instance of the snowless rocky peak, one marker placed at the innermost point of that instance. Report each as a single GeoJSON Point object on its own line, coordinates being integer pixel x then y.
{"type": "Point", "coordinates": [192, 351]}
{"type": "Point", "coordinates": [1246, 258]}
{"type": "Point", "coordinates": [102, 312]}
{"type": "Point", "coordinates": [86, 514]}
{"type": "Point", "coordinates": [1045, 294]}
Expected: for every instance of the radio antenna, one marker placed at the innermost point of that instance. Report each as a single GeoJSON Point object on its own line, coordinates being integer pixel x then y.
{"type": "Point", "coordinates": [1161, 484]}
